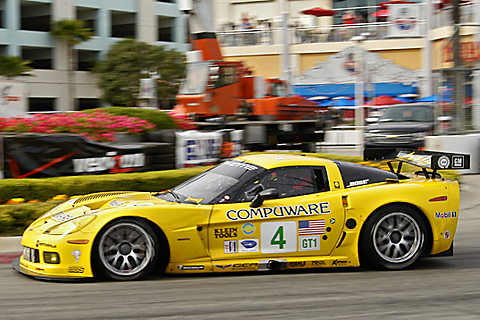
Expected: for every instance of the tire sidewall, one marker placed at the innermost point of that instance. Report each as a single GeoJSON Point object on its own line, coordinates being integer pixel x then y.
{"type": "Point", "coordinates": [368, 252]}
{"type": "Point", "coordinates": [101, 271]}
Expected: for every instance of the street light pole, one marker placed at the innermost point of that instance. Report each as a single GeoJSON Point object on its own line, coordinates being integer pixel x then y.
{"type": "Point", "coordinates": [359, 86]}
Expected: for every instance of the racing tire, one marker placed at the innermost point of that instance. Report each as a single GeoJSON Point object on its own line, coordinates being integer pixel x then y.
{"type": "Point", "coordinates": [125, 249]}
{"type": "Point", "coordinates": [393, 238]}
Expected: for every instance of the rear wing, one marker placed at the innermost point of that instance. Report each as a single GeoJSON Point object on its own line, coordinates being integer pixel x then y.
{"type": "Point", "coordinates": [432, 160]}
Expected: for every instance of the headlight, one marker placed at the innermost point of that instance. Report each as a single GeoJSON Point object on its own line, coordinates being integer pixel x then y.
{"type": "Point", "coordinates": [51, 257]}
{"type": "Point", "coordinates": [71, 226]}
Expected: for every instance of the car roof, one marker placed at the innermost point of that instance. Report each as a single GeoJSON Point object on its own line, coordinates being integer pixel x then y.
{"type": "Point", "coordinates": [274, 160]}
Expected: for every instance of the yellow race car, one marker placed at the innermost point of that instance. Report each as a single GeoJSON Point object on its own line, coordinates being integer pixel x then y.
{"type": "Point", "coordinates": [253, 213]}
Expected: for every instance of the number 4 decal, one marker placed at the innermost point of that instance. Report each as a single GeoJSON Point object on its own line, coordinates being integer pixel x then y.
{"type": "Point", "coordinates": [278, 237]}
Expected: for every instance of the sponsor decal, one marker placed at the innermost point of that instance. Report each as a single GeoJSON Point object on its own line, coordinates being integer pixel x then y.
{"type": "Point", "coordinates": [458, 162]}
{"type": "Point", "coordinates": [77, 253]}
{"type": "Point", "coordinates": [248, 228]}
{"type": "Point", "coordinates": [61, 216]}
{"type": "Point", "coordinates": [447, 234]}
{"type": "Point", "coordinates": [318, 264]}
{"type": "Point", "coordinates": [296, 264]}
{"type": "Point", "coordinates": [247, 266]}
{"type": "Point", "coordinates": [332, 221]}
{"type": "Point", "coordinates": [142, 204]}
{"type": "Point", "coordinates": [43, 244]}
{"type": "Point", "coordinates": [249, 245]}
{"type": "Point", "coordinates": [116, 203]}
{"type": "Point", "coordinates": [230, 246]}
{"type": "Point", "coordinates": [308, 243]}
{"type": "Point", "coordinates": [194, 200]}
{"type": "Point", "coordinates": [239, 164]}
{"type": "Point", "coordinates": [186, 268]}
{"type": "Point", "coordinates": [358, 183]}
{"type": "Point", "coordinates": [336, 184]}
{"type": "Point", "coordinates": [443, 162]}
{"type": "Point", "coordinates": [310, 227]}
{"type": "Point", "coordinates": [440, 215]}
{"type": "Point", "coordinates": [282, 211]}
{"type": "Point", "coordinates": [225, 233]}
{"type": "Point", "coordinates": [339, 263]}
{"type": "Point", "coordinates": [75, 269]}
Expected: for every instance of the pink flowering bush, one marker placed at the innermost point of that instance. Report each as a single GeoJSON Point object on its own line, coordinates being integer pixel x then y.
{"type": "Point", "coordinates": [97, 125]}
{"type": "Point", "coordinates": [182, 121]}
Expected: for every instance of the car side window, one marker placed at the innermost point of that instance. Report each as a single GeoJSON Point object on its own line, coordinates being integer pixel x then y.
{"type": "Point", "coordinates": [289, 181]}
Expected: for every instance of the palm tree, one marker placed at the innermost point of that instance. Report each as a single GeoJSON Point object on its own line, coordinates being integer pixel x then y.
{"type": "Point", "coordinates": [73, 32]}
{"type": "Point", "coordinates": [11, 67]}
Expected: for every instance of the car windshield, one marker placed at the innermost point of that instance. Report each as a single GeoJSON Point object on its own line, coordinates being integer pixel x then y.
{"type": "Point", "coordinates": [407, 113]}
{"type": "Point", "coordinates": [210, 186]}
{"type": "Point", "coordinates": [196, 78]}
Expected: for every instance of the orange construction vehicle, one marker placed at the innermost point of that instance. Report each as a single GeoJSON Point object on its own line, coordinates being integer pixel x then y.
{"type": "Point", "coordinates": [214, 87]}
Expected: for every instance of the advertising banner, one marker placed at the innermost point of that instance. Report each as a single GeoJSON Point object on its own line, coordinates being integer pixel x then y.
{"type": "Point", "coordinates": [47, 155]}
{"type": "Point", "coordinates": [195, 148]}
{"type": "Point", "coordinates": [405, 20]}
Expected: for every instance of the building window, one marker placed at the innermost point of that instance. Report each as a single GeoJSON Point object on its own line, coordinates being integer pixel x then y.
{"type": "Point", "coordinates": [35, 16]}
{"type": "Point", "coordinates": [41, 104]}
{"type": "Point", "coordinates": [123, 24]}
{"type": "Point", "coordinates": [41, 57]}
{"type": "Point", "coordinates": [165, 29]}
{"type": "Point", "coordinates": [87, 59]}
{"type": "Point", "coordinates": [2, 12]}
{"type": "Point", "coordinates": [90, 17]}
{"type": "Point", "coordinates": [88, 103]}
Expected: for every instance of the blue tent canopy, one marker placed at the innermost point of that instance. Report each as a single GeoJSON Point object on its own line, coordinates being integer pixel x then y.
{"type": "Point", "coordinates": [348, 89]}
{"type": "Point", "coordinates": [434, 98]}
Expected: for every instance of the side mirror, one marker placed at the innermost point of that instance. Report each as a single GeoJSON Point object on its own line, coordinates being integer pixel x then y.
{"type": "Point", "coordinates": [271, 193]}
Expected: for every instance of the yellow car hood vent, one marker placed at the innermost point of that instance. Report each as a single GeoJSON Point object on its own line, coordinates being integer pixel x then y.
{"type": "Point", "coordinates": [101, 196]}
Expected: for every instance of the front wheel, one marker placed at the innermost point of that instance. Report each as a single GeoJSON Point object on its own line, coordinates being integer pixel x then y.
{"type": "Point", "coordinates": [394, 238]}
{"type": "Point", "coordinates": [126, 249]}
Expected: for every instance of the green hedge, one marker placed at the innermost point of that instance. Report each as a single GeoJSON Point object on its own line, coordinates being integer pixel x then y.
{"type": "Point", "coordinates": [159, 118]}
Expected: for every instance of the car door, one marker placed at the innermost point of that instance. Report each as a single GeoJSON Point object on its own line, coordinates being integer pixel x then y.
{"type": "Point", "coordinates": [305, 220]}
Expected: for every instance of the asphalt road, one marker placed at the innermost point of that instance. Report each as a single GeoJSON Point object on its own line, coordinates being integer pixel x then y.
{"type": "Point", "coordinates": [438, 288]}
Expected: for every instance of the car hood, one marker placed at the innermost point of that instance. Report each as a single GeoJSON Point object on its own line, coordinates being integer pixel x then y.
{"type": "Point", "coordinates": [80, 211]}
{"type": "Point", "coordinates": [400, 127]}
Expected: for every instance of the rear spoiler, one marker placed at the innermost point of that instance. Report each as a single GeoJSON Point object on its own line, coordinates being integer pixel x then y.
{"type": "Point", "coordinates": [433, 160]}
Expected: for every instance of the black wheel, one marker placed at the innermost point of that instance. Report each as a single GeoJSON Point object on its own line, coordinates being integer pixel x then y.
{"type": "Point", "coordinates": [126, 249]}
{"type": "Point", "coordinates": [393, 238]}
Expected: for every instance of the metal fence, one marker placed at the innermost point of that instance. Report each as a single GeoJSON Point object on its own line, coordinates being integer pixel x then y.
{"type": "Point", "coordinates": [335, 33]}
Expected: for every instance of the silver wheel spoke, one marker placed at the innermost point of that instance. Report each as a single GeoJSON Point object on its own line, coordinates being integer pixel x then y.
{"type": "Point", "coordinates": [126, 249]}
{"type": "Point", "coordinates": [397, 237]}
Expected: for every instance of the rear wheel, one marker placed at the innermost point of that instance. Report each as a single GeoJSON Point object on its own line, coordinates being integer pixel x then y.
{"type": "Point", "coordinates": [126, 249]}
{"type": "Point", "coordinates": [394, 238]}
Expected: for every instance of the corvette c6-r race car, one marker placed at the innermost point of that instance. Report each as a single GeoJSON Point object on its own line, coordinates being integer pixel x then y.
{"type": "Point", "coordinates": [253, 213]}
